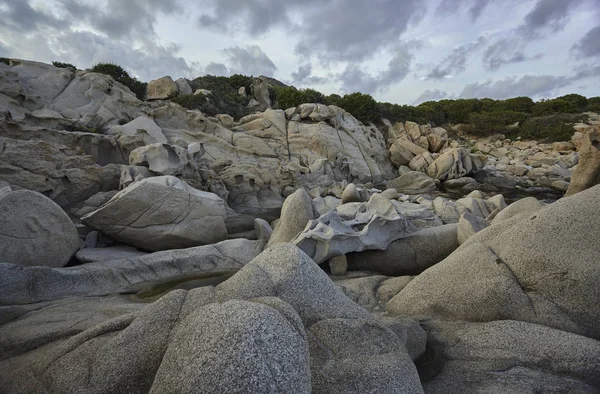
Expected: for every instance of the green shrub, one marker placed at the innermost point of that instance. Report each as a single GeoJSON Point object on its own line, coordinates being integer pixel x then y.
{"type": "Point", "coordinates": [333, 99]}
{"type": "Point", "coordinates": [121, 76]}
{"type": "Point", "coordinates": [576, 101]}
{"type": "Point", "coordinates": [593, 104]}
{"type": "Point", "coordinates": [552, 107]}
{"type": "Point", "coordinates": [64, 65]}
{"type": "Point", "coordinates": [362, 106]}
{"type": "Point", "coordinates": [238, 80]}
{"type": "Point", "coordinates": [5, 60]}
{"type": "Point", "coordinates": [488, 123]}
{"type": "Point", "coordinates": [558, 127]}
{"type": "Point", "coordinates": [224, 99]}
{"type": "Point", "coordinates": [288, 97]}
{"type": "Point", "coordinates": [516, 104]}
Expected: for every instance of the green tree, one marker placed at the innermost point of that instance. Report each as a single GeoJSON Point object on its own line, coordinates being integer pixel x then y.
{"type": "Point", "coordinates": [64, 65]}
{"type": "Point", "coordinates": [362, 106]}
{"type": "Point", "coordinates": [516, 104]}
{"type": "Point", "coordinates": [552, 107]}
{"type": "Point", "coordinates": [576, 100]}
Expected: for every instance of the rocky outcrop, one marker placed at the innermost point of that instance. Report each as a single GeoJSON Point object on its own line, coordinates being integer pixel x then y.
{"type": "Point", "coordinates": [249, 164]}
{"type": "Point", "coordinates": [161, 213]}
{"type": "Point", "coordinates": [536, 267]}
{"type": "Point", "coordinates": [587, 172]}
{"type": "Point", "coordinates": [34, 230]}
{"type": "Point", "coordinates": [413, 182]}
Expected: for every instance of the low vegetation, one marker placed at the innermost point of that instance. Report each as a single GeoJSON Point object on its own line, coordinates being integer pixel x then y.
{"type": "Point", "coordinates": [121, 76]}
{"type": "Point", "coordinates": [64, 65]}
{"type": "Point", "coordinates": [546, 120]}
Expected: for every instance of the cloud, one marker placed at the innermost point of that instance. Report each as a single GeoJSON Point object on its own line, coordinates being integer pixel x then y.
{"type": "Point", "coordinates": [250, 60]}
{"type": "Point", "coordinates": [217, 69]}
{"type": "Point", "coordinates": [431, 95]}
{"type": "Point", "coordinates": [333, 30]}
{"type": "Point", "coordinates": [589, 45]}
{"type": "Point", "coordinates": [125, 37]}
{"type": "Point", "coordinates": [304, 76]}
{"type": "Point", "coordinates": [447, 7]}
{"type": "Point", "coordinates": [354, 79]}
{"type": "Point", "coordinates": [132, 18]}
{"type": "Point", "coordinates": [506, 51]}
{"type": "Point", "coordinates": [80, 47]}
{"type": "Point", "coordinates": [456, 62]}
{"type": "Point", "coordinates": [21, 16]}
{"type": "Point", "coordinates": [528, 85]}
{"type": "Point", "coordinates": [548, 15]}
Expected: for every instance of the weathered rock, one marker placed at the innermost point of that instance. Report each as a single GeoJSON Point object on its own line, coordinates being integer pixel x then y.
{"type": "Point", "coordinates": [413, 182]}
{"type": "Point", "coordinates": [447, 210]}
{"type": "Point", "coordinates": [350, 351]}
{"type": "Point", "coordinates": [263, 229]}
{"type": "Point", "coordinates": [403, 151]}
{"type": "Point", "coordinates": [161, 213]}
{"type": "Point", "coordinates": [468, 225]}
{"type": "Point", "coordinates": [29, 285]}
{"type": "Point", "coordinates": [268, 351]}
{"type": "Point", "coordinates": [587, 173]}
{"type": "Point", "coordinates": [408, 256]}
{"type": "Point", "coordinates": [455, 163]}
{"type": "Point", "coordinates": [508, 356]}
{"type": "Point", "coordinates": [183, 87]}
{"type": "Point", "coordinates": [537, 267]}
{"type": "Point", "coordinates": [162, 159]}
{"type": "Point", "coordinates": [296, 212]}
{"type": "Point", "coordinates": [162, 89]}
{"type": "Point", "coordinates": [354, 227]}
{"type": "Point", "coordinates": [351, 194]}
{"type": "Point", "coordinates": [529, 205]}
{"type": "Point", "coordinates": [35, 231]}
{"type": "Point", "coordinates": [93, 254]}
{"type": "Point", "coordinates": [338, 265]}
{"type": "Point", "coordinates": [362, 290]}
{"type": "Point", "coordinates": [390, 194]}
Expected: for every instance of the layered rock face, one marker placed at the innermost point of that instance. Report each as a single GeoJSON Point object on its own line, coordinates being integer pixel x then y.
{"type": "Point", "coordinates": [93, 126]}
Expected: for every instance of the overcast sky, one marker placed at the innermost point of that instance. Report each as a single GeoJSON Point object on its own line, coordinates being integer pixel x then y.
{"type": "Point", "coordinates": [402, 51]}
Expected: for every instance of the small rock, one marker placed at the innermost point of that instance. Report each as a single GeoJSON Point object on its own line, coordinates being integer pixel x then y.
{"type": "Point", "coordinates": [338, 265]}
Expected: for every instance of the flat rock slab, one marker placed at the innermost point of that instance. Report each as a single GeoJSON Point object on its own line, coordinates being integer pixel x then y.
{"type": "Point", "coordinates": [92, 255]}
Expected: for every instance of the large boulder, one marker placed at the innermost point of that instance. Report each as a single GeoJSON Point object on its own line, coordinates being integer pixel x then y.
{"type": "Point", "coordinates": [35, 231]}
{"type": "Point", "coordinates": [161, 213]}
{"type": "Point", "coordinates": [537, 267]}
{"type": "Point", "coordinates": [237, 347]}
{"type": "Point", "coordinates": [587, 173]}
{"type": "Point", "coordinates": [296, 212]}
{"type": "Point", "coordinates": [162, 89]}
{"type": "Point", "coordinates": [408, 256]}
{"type": "Point", "coordinates": [403, 151]}
{"type": "Point", "coordinates": [454, 164]}
{"type": "Point", "coordinates": [413, 182]}
{"type": "Point", "coordinates": [507, 357]}
{"type": "Point", "coordinates": [183, 87]}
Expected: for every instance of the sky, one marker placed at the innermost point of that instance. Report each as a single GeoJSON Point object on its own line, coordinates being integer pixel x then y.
{"type": "Point", "coordinates": [399, 51]}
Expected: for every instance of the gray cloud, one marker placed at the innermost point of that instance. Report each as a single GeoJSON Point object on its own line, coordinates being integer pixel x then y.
{"type": "Point", "coordinates": [456, 62]}
{"type": "Point", "coordinates": [431, 95]}
{"type": "Point", "coordinates": [528, 85]}
{"type": "Point", "coordinates": [333, 30]}
{"type": "Point", "coordinates": [217, 69]}
{"type": "Point", "coordinates": [589, 45]}
{"type": "Point", "coordinates": [134, 17]}
{"type": "Point", "coordinates": [304, 76]}
{"type": "Point", "coordinates": [550, 15]}
{"type": "Point", "coordinates": [21, 16]}
{"type": "Point", "coordinates": [505, 51]}
{"type": "Point", "coordinates": [250, 60]}
{"type": "Point", "coordinates": [476, 7]}
{"type": "Point", "coordinates": [354, 79]}
{"type": "Point", "coordinates": [81, 47]}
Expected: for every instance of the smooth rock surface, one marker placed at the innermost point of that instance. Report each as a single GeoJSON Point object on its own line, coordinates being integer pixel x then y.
{"type": "Point", "coordinates": [161, 213]}
{"type": "Point", "coordinates": [34, 231]}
